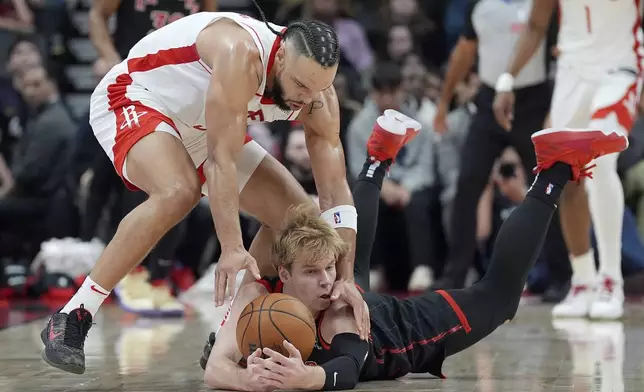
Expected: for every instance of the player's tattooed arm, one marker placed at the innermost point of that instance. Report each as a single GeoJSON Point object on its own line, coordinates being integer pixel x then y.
{"type": "Point", "coordinates": [315, 105]}
{"type": "Point", "coordinates": [321, 122]}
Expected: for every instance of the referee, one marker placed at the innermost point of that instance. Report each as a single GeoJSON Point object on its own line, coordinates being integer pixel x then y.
{"type": "Point", "coordinates": [491, 29]}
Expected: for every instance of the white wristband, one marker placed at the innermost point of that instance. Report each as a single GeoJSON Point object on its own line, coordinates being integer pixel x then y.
{"type": "Point", "coordinates": [505, 83]}
{"type": "Point", "coordinates": [344, 216]}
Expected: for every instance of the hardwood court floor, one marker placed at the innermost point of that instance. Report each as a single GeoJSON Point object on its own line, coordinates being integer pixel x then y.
{"type": "Point", "coordinates": [531, 354]}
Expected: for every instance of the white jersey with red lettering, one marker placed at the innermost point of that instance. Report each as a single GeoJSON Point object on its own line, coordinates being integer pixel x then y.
{"type": "Point", "coordinates": [162, 85]}
{"type": "Point", "coordinates": [597, 36]}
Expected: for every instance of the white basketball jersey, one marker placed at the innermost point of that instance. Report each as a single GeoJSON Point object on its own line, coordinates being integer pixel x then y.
{"type": "Point", "coordinates": [600, 35]}
{"type": "Point", "coordinates": [166, 64]}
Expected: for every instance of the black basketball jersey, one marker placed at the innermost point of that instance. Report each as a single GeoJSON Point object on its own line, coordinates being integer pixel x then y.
{"type": "Point", "coordinates": [373, 367]}
{"type": "Point", "coordinates": [137, 18]}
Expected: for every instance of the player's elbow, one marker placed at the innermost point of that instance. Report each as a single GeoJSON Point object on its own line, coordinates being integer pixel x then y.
{"type": "Point", "coordinates": [212, 377]}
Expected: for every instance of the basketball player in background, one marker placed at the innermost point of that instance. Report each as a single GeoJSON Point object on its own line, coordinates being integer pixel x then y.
{"type": "Point", "coordinates": [144, 292]}
{"type": "Point", "coordinates": [174, 114]}
{"type": "Point", "coordinates": [597, 86]}
{"type": "Point", "coordinates": [414, 335]}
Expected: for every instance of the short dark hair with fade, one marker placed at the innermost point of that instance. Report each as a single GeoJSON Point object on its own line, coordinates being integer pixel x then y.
{"type": "Point", "coordinates": [311, 38]}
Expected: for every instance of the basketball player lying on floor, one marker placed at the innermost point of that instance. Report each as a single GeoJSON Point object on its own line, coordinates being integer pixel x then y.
{"type": "Point", "coordinates": [414, 335]}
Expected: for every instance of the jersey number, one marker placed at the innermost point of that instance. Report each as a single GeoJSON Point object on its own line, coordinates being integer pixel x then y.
{"type": "Point", "coordinates": [589, 26]}
{"type": "Point", "coordinates": [162, 18]}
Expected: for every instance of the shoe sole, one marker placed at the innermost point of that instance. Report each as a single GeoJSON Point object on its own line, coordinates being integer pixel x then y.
{"type": "Point", "coordinates": [610, 142]}
{"type": "Point", "coordinates": [68, 368]}
{"type": "Point", "coordinates": [148, 313]}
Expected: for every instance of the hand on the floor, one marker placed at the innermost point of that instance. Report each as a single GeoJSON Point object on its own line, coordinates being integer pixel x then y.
{"type": "Point", "coordinates": [255, 374]}
{"type": "Point", "coordinates": [230, 263]}
{"type": "Point", "coordinates": [349, 293]}
{"type": "Point", "coordinates": [282, 372]}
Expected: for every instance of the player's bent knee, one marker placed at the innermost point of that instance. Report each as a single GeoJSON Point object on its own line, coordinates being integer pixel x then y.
{"type": "Point", "coordinates": [178, 199]}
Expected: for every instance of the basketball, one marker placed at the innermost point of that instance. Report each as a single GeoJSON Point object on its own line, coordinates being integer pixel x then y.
{"type": "Point", "coordinates": [272, 318]}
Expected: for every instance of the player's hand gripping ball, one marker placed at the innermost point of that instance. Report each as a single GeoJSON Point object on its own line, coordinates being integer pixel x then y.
{"type": "Point", "coordinates": [272, 318]}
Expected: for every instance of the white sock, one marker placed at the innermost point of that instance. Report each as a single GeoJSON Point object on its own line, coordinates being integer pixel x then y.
{"type": "Point", "coordinates": [606, 202]}
{"type": "Point", "coordinates": [583, 268]}
{"type": "Point", "coordinates": [90, 295]}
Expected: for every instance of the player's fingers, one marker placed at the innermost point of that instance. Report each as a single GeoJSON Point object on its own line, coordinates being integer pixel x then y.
{"type": "Point", "coordinates": [275, 356]}
{"type": "Point", "coordinates": [367, 321]}
{"type": "Point", "coordinates": [272, 366]}
{"type": "Point", "coordinates": [293, 352]}
{"type": "Point", "coordinates": [270, 384]}
{"type": "Point", "coordinates": [253, 356]}
{"type": "Point", "coordinates": [337, 291]}
{"type": "Point", "coordinates": [220, 290]}
{"type": "Point", "coordinates": [252, 267]}
{"type": "Point", "coordinates": [232, 281]}
{"type": "Point", "coordinates": [216, 280]}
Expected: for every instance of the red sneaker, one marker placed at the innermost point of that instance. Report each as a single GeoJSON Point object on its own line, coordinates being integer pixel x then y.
{"type": "Point", "coordinates": [576, 147]}
{"type": "Point", "coordinates": [390, 132]}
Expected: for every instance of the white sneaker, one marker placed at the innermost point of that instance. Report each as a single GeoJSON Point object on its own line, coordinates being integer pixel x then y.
{"type": "Point", "coordinates": [134, 293]}
{"type": "Point", "coordinates": [165, 303]}
{"type": "Point", "coordinates": [609, 301]}
{"type": "Point", "coordinates": [420, 279]}
{"type": "Point", "coordinates": [577, 303]}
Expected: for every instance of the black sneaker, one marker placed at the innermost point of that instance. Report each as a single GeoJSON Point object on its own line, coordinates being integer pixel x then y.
{"type": "Point", "coordinates": [64, 339]}
{"type": "Point", "coordinates": [203, 361]}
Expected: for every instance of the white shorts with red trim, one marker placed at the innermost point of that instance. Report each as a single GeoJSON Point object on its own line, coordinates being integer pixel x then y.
{"type": "Point", "coordinates": [577, 100]}
{"type": "Point", "coordinates": [122, 113]}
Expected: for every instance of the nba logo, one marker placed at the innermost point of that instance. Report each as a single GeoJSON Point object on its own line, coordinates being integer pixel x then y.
{"type": "Point", "coordinates": [336, 217]}
{"type": "Point", "coordinates": [549, 189]}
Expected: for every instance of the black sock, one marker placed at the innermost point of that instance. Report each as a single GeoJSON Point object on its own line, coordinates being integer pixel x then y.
{"type": "Point", "coordinates": [374, 172]}
{"type": "Point", "coordinates": [521, 236]}
{"type": "Point", "coordinates": [366, 197]}
{"type": "Point", "coordinates": [549, 184]}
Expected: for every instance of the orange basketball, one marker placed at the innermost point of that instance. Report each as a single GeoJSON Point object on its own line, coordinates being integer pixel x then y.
{"type": "Point", "coordinates": [272, 318]}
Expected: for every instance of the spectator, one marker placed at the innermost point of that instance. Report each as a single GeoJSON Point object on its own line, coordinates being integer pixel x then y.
{"type": "Point", "coordinates": [356, 52]}
{"type": "Point", "coordinates": [406, 194]}
{"type": "Point", "coordinates": [39, 166]}
{"type": "Point", "coordinates": [348, 108]}
{"type": "Point", "coordinates": [297, 160]}
{"type": "Point", "coordinates": [421, 86]}
{"type": "Point", "coordinates": [400, 43]}
{"type": "Point", "coordinates": [15, 15]}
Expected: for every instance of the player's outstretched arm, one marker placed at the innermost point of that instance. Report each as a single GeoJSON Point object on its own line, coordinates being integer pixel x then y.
{"type": "Point", "coordinates": [223, 370]}
{"type": "Point", "coordinates": [236, 75]}
{"type": "Point", "coordinates": [341, 373]}
{"type": "Point", "coordinates": [321, 120]}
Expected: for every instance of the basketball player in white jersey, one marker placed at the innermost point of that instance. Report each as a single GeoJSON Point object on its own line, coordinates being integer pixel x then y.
{"type": "Point", "coordinates": [597, 86]}
{"type": "Point", "coordinates": [174, 114]}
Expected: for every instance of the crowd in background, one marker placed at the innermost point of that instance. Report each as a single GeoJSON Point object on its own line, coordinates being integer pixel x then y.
{"type": "Point", "coordinates": [56, 182]}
